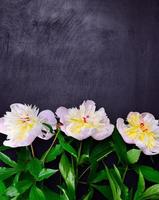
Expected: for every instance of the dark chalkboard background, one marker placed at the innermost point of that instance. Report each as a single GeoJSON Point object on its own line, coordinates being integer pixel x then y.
{"type": "Point", "coordinates": [58, 52]}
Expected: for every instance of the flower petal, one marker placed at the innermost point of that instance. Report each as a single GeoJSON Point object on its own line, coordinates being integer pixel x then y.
{"type": "Point", "coordinates": [121, 126]}
{"type": "Point", "coordinates": [88, 107]}
{"type": "Point", "coordinates": [84, 133]}
{"type": "Point", "coordinates": [16, 106]}
{"type": "Point", "coordinates": [62, 112]}
{"type": "Point", "coordinates": [48, 117]}
{"type": "Point", "coordinates": [2, 126]}
{"type": "Point", "coordinates": [30, 137]}
{"type": "Point", "coordinates": [146, 150]}
{"type": "Point", "coordinates": [104, 134]}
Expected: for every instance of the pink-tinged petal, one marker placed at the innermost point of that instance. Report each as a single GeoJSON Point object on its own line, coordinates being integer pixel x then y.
{"type": "Point", "coordinates": [134, 118]}
{"type": "Point", "coordinates": [2, 126]}
{"type": "Point", "coordinates": [121, 126]}
{"type": "Point", "coordinates": [62, 112]}
{"type": "Point", "coordinates": [147, 151]}
{"type": "Point", "coordinates": [88, 107]}
{"type": "Point", "coordinates": [104, 134]}
{"type": "Point", "coordinates": [47, 116]}
{"type": "Point", "coordinates": [84, 133]}
{"type": "Point", "coordinates": [149, 119]}
{"type": "Point", "coordinates": [15, 142]}
{"type": "Point", "coordinates": [101, 114]}
{"type": "Point", "coordinates": [16, 106]}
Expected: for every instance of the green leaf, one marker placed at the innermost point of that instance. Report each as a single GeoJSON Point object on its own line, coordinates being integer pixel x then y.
{"type": "Point", "coordinates": [92, 171]}
{"type": "Point", "coordinates": [12, 192]}
{"type": "Point", "coordinates": [119, 183]}
{"type": "Point", "coordinates": [66, 197]}
{"type": "Point", "coordinates": [84, 158]}
{"type": "Point", "coordinates": [6, 173]}
{"type": "Point", "coordinates": [151, 193]}
{"type": "Point", "coordinates": [67, 172]}
{"type": "Point", "coordinates": [50, 195]}
{"type": "Point", "coordinates": [23, 185]}
{"type": "Point", "coordinates": [140, 187]}
{"type": "Point", "coordinates": [66, 146]}
{"type": "Point", "coordinates": [116, 191]}
{"type": "Point", "coordinates": [133, 155]}
{"type": "Point", "coordinates": [46, 173]}
{"type": "Point", "coordinates": [88, 196]}
{"type": "Point", "coordinates": [3, 148]}
{"type": "Point", "coordinates": [100, 176]}
{"type": "Point", "coordinates": [36, 194]}
{"type": "Point", "coordinates": [4, 158]}
{"type": "Point", "coordinates": [2, 188]}
{"type": "Point", "coordinates": [35, 167]}
{"type": "Point", "coordinates": [53, 153]}
{"type": "Point", "coordinates": [16, 179]}
{"type": "Point", "coordinates": [120, 146]}
{"type": "Point", "coordinates": [101, 150]}
{"type": "Point", "coordinates": [150, 174]}
{"type": "Point", "coordinates": [104, 190]}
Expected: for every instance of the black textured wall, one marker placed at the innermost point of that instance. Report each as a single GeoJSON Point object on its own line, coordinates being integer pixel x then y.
{"type": "Point", "coordinates": [58, 52]}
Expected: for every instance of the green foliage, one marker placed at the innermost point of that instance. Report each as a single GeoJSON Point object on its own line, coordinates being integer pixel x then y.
{"type": "Point", "coordinates": [133, 155]}
{"type": "Point", "coordinates": [54, 153]}
{"type": "Point", "coordinates": [79, 163]}
{"type": "Point", "coordinates": [68, 174]}
{"type": "Point", "coordinates": [36, 193]}
{"type": "Point", "coordinates": [150, 174]}
{"type": "Point", "coordinates": [140, 187]}
{"type": "Point", "coordinates": [6, 159]}
{"type": "Point", "coordinates": [120, 147]}
{"type": "Point", "coordinates": [66, 146]}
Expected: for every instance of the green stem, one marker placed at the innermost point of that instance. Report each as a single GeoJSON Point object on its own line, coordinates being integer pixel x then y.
{"type": "Point", "coordinates": [90, 165]}
{"type": "Point", "coordinates": [126, 169]}
{"type": "Point", "coordinates": [77, 162]}
{"type": "Point", "coordinates": [79, 153]}
{"type": "Point", "coordinates": [52, 144]}
{"type": "Point", "coordinates": [84, 172]}
{"type": "Point", "coordinates": [32, 150]}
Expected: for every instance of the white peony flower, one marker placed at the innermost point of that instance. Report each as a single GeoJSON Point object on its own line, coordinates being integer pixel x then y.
{"type": "Point", "coordinates": [85, 121]}
{"type": "Point", "coordinates": [141, 130]}
{"type": "Point", "coordinates": [23, 124]}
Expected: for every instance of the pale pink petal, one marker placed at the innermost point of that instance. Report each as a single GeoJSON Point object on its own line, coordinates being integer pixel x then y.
{"type": "Point", "coordinates": [16, 106]}
{"type": "Point", "coordinates": [101, 113]}
{"type": "Point", "coordinates": [27, 140]}
{"type": "Point", "coordinates": [48, 117]}
{"type": "Point", "coordinates": [148, 117]}
{"type": "Point", "coordinates": [84, 133]}
{"type": "Point", "coordinates": [2, 126]}
{"type": "Point", "coordinates": [62, 112]}
{"type": "Point", "coordinates": [104, 134]}
{"type": "Point", "coordinates": [88, 107]}
{"type": "Point", "coordinates": [146, 150]}
{"type": "Point", "coordinates": [121, 126]}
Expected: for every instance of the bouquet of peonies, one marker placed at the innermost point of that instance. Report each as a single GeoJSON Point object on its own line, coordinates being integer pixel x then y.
{"type": "Point", "coordinates": [90, 157]}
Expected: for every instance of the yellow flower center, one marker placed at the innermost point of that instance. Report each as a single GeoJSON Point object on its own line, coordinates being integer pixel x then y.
{"type": "Point", "coordinates": [79, 123]}
{"type": "Point", "coordinates": [24, 125]}
{"type": "Point", "coordinates": [140, 131]}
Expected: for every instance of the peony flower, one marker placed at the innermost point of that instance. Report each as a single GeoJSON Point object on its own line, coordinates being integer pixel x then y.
{"type": "Point", "coordinates": [23, 124]}
{"type": "Point", "coordinates": [85, 121]}
{"type": "Point", "coordinates": [141, 130]}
